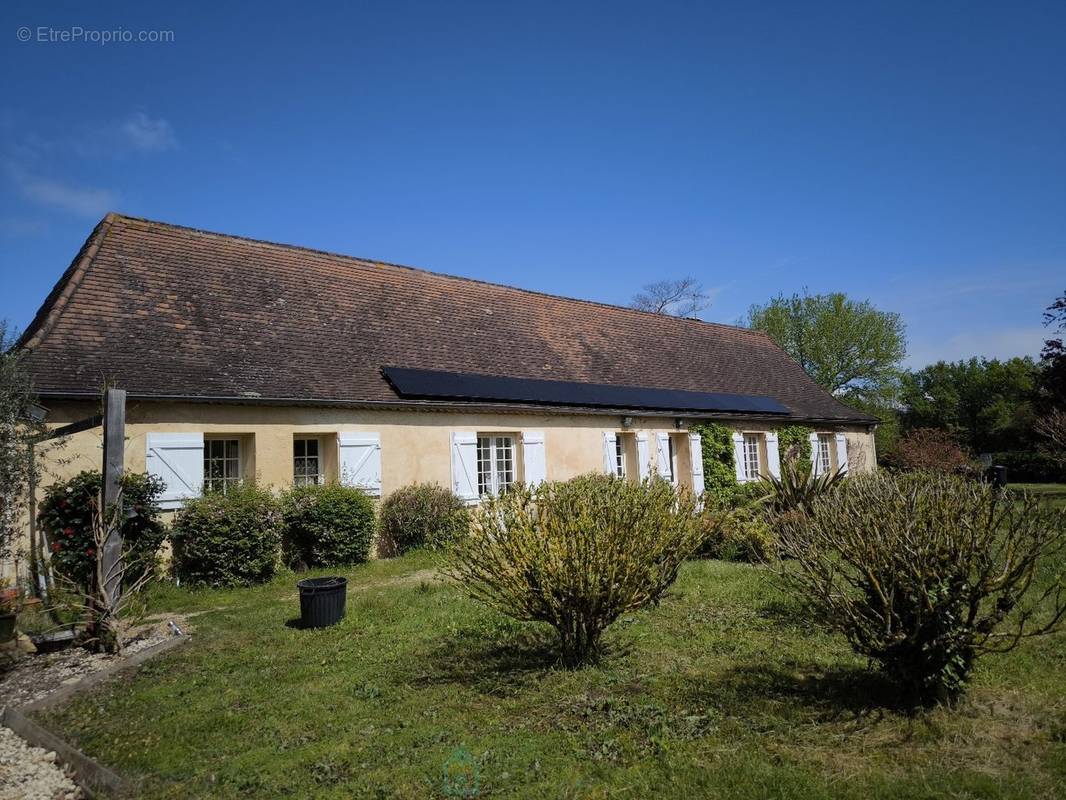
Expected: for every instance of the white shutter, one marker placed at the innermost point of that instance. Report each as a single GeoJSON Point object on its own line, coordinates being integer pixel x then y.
{"type": "Point", "coordinates": [662, 455]}
{"type": "Point", "coordinates": [842, 452]}
{"type": "Point", "coordinates": [610, 453]}
{"type": "Point", "coordinates": [360, 461]}
{"type": "Point", "coordinates": [643, 455]}
{"type": "Point", "coordinates": [464, 466]}
{"type": "Point", "coordinates": [815, 458]}
{"type": "Point", "coordinates": [533, 457]}
{"type": "Point", "coordinates": [773, 455]}
{"type": "Point", "coordinates": [178, 459]}
{"type": "Point", "coordinates": [738, 455]}
{"type": "Point", "coordinates": [695, 450]}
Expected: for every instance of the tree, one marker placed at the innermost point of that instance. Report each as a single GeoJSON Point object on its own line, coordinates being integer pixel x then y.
{"type": "Point", "coordinates": [988, 404]}
{"type": "Point", "coordinates": [1053, 429]}
{"type": "Point", "coordinates": [1053, 377]}
{"type": "Point", "coordinates": [680, 298]}
{"type": "Point", "coordinates": [848, 347]}
{"type": "Point", "coordinates": [16, 431]}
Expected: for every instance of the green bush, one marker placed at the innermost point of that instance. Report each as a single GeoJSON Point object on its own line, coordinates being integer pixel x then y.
{"type": "Point", "coordinates": [421, 515]}
{"type": "Point", "coordinates": [743, 534]}
{"type": "Point", "coordinates": [228, 539]}
{"type": "Point", "coordinates": [797, 487]}
{"type": "Point", "coordinates": [719, 470]}
{"type": "Point", "coordinates": [66, 515]}
{"type": "Point", "coordinates": [326, 525]}
{"type": "Point", "coordinates": [794, 444]}
{"type": "Point", "coordinates": [925, 572]}
{"type": "Point", "coordinates": [576, 554]}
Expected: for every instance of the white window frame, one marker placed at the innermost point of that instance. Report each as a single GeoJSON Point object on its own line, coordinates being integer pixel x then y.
{"type": "Point", "coordinates": [825, 453]}
{"type": "Point", "coordinates": [752, 456]}
{"type": "Point", "coordinates": [494, 451]}
{"type": "Point", "coordinates": [226, 480]}
{"type": "Point", "coordinates": [315, 478]}
{"type": "Point", "coordinates": [619, 455]}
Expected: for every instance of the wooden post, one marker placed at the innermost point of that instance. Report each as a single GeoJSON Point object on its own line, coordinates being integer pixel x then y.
{"type": "Point", "coordinates": [114, 463]}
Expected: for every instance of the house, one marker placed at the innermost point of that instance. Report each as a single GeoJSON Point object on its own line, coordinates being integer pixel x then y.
{"type": "Point", "coordinates": [247, 358]}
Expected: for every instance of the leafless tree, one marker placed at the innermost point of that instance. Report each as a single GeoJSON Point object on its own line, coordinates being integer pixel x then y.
{"type": "Point", "coordinates": [684, 297]}
{"type": "Point", "coordinates": [1053, 428]}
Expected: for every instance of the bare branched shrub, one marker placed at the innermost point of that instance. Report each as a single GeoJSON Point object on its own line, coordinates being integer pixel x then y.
{"type": "Point", "coordinates": [112, 591]}
{"type": "Point", "coordinates": [577, 554]}
{"type": "Point", "coordinates": [926, 572]}
{"type": "Point", "coordinates": [1053, 428]}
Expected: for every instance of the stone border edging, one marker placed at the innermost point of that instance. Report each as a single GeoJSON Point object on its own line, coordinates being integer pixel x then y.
{"type": "Point", "coordinates": [90, 775]}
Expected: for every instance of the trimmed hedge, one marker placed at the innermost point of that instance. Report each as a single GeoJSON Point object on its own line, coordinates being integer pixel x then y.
{"type": "Point", "coordinates": [326, 525]}
{"type": "Point", "coordinates": [420, 515]}
{"type": "Point", "coordinates": [229, 539]}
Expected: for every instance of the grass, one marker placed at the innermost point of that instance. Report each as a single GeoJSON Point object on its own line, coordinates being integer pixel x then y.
{"type": "Point", "coordinates": [721, 691]}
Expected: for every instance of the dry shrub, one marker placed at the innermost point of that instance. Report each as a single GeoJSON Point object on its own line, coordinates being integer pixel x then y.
{"type": "Point", "coordinates": [926, 572]}
{"type": "Point", "coordinates": [577, 554]}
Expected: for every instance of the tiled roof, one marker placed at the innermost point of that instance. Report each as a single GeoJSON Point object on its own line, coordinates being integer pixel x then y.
{"type": "Point", "coordinates": [163, 310]}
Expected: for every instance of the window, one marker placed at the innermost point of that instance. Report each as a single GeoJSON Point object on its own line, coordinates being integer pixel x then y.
{"type": "Point", "coordinates": [619, 456]}
{"type": "Point", "coordinates": [824, 461]}
{"type": "Point", "coordinates": [222, 464]}
{"type": "Point", "coordinates": [670, 459]}
{"type": "Point", "coordinates": [306, 464]}
{"type": "Point", "coordinates": [495, 464]}
{"type": "Point", "coordinates": [752, 469]}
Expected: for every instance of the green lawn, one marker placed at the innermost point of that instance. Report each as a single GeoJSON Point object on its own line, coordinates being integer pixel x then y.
{"type": "Point", "coordinates": [721, 691]}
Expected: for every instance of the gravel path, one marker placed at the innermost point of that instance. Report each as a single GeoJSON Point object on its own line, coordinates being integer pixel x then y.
{"type": "Point", "coordinates": [30, 773]}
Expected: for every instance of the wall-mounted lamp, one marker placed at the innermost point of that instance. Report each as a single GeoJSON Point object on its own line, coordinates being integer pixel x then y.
{"type": "Point", "coordinates": [627, 422]}
{"type": "Point", "coordinates": [679, 424]}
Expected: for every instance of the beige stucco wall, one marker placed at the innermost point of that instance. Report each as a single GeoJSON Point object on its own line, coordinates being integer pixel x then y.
{"type": "Point", "coordinates": [415, 445]}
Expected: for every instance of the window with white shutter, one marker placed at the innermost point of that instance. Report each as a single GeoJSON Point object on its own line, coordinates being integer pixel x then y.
{"type": "Point", "coordinates": [643, 456]}
{"type": "Point", "coordinates": [752, 465]}
{"type": "Point", "coordinates": [360, 461]}
{"type": "Point", "coordinates": [534, 465]}
{"type": "Point", "coordinates": [464, 465]}
{"type": "Point", "coordinates": [842, 452]}
{"type": "Point", "coordinates": [178, 460]}
{"type": "Point", "coordinates": [822, 458]}
{"type": "Point", "coordinates": [495, 463]}
{"type": "Point", "coordinates": [306, 461]}
{"type": "Point", "coordinates": [695, 450]}
{"type": "Point", "coordinates": [222, 464]}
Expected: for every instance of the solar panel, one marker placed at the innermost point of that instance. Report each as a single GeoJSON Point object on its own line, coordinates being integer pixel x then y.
{"type": "Point", "coordinates": [426, 384]}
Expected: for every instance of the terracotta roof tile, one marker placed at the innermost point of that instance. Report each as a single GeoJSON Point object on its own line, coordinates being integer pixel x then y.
{"type": "Point", "coordinates": [165, 310]}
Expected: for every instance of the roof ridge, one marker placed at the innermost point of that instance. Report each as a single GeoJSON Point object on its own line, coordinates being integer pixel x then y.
{"type": "Point", "coordinates": [423, 270]}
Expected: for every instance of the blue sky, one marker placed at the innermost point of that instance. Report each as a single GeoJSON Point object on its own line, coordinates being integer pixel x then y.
{"type": "Point", "coordinates": [911, 154]}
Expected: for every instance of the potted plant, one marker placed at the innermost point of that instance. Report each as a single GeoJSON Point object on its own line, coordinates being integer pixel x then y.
{"type": "Point", "coordinates": [9, 597]}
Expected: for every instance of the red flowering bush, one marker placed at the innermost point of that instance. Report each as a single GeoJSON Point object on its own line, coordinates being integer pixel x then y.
{"type": "Point", "coordinates": [932, 450]}
{"type": "Point", "coordinates": [66, 517]}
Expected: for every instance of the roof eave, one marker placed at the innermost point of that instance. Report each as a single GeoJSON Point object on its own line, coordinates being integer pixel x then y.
{"type": "Point", "coordinates": [476, 406]}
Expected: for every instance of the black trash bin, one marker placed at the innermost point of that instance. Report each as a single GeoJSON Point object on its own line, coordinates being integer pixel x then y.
{"type": "Point", "coordinates": [322, 601]}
